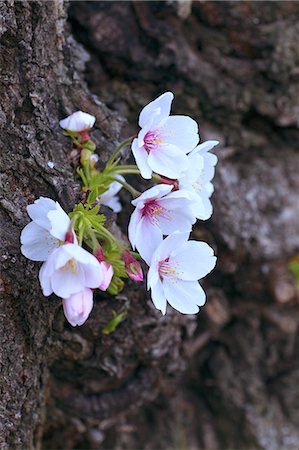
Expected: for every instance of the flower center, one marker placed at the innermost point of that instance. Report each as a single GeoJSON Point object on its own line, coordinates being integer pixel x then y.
{"type": "Point", "coordinates": [71, 265]}
{"type": "Point", "coordinates": [153, 211]}
{"type": "Point", "coordinates": [168, 269]}
{"type": "Point", "coordinates": [152, 140]}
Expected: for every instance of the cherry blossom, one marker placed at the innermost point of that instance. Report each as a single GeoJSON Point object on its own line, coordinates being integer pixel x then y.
{"type": "Point", "coordinates": [159, 212]}
{"type": "Point", "coordinates": [163, 140]}
{"type": "Point", "coordinates": [198, 178]}
{"type": "Point", "coordinates": [79, 122]}
{"type": "Point", "coordinates": [68, 270]}
{"type": "Point", "coordinates": [176, 266]}
{"type": "Point", "coordinates": [78, 306]}
{"type": "Point", "coordinates": [109, 198]}
{"type": "Point", "coordinates": [46, 231]}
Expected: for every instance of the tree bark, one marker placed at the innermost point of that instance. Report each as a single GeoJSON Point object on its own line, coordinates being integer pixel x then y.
{"type": "Point", "coordinates": [227, 378]}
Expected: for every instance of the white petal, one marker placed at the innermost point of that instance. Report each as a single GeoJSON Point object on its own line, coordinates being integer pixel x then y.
{"type": "Point", "coordinates": [193, 260]}
{"type": "Point", "coordinates": [205, 147]}
{"type": "Point", "coordinates": [45, 281]}
{"type": "Point", "coordinates": [60, 222]}
{"type": "Point", "coordinates": [169, 161]}
{"type": "Point", "coordinates": [67, 282]}
{"type": "Point", "coordinates": [113, 189]}
{"type": "Point", "coordinates": [158, 297]}
{"type": "Point", "coordinates": [78, 121]}
{"type": "Point", "coordinates": [141, 158]}
{"type": "Point", "coordinates": [201, 207]}
{"type": "Point", "coordinates": [93, 275]}
{"type": "Point", "coordinates": [113, 203]}
{"type": "Point", "coordinates": [79, 254]}
{"type": "Point", "coordinates": [166, 247]}
{"type": "Point", "coordinates": [181, 131]}
{"type": "Point", "coordinates": [154, 192]}
{"type": "Point", "coordinates": [178, 220]}
{"type": "Point", "coordinates": [37, 242]}
{"type": "Point", "coordinates": [147, 239]}
{"type": "Point", "coordinates": [158, 109]}
{"type": "Point", "coordinates": [184, 296]}
{"type": "Point", "coordinates": [132, 228]}
{"type": "Point", "coordinates": [39, 210]}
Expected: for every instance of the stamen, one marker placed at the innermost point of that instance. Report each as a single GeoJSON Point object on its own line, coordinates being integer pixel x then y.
{"type": "Point", "coordinates": [152, 140]}
{"type": "Point", "coordinates": [70, 265]}
{"type": "Point", "coordinates": [154, 211]}
{"type": "Point", "coordinates": [169, 270]}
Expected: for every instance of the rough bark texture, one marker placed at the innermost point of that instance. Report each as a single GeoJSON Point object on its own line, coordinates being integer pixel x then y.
{"type": "Point", "coordinates": [227, 378]}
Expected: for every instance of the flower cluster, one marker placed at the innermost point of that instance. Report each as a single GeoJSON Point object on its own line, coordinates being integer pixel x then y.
{"type": "Point", "coordinates": [79, 252]}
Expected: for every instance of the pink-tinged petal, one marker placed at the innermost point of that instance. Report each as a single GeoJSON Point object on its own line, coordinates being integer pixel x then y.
{"type": "Point", "coordinates": [68, 280]}
{"type": "Point", "coordinates": [107, 275]}
{"type": "Point", "coordinates": [78, 307]}
{"type": "Point", "coordinates": [39, 210]}
{"type": "Point", "coordinates": [78, 121]}
{"type": "Point", "coordinates": [169, 244]}
{"type": "Point", "coordinates": [60, 222]}
{"type": "Point", "coordinates": [37, 242]}
{"type": "Point", "coordinates": [158, 297]}
{"type": "Point", "coordinates": [169, 161]}
{"type": "Point", "coordinates": [132, 267]}
{"type": "Point", "coordinates": [205, 147]}
{"type": "Point", "coordinates": [156, 110]}
{"type": "Point", "coordinates": [193, 260]}
{"type": "Point", "coordinates": [45, 281]}
{"type": "Point", "coordinates": [141, 158]}
{"type": "Point", "coordinates": [181, 131]}
{"type": "Point", "coordinates": [154, 192]}
{"type": "Point", "coordinates": [147, 239]}
{"type": "Point", "coordinates": [184, 296]}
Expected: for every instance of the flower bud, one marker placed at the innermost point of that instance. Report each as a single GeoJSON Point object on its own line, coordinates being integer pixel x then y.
{"type": "Point", "coordinates": [107, 269]}
{"type": "Point", "coordinates": [132, 267]}
{"type": "Point", "coordinates": [78, 307]}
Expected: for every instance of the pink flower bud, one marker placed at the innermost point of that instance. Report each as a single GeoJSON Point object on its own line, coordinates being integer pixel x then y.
{"type": "Point", "coordinates": [107, 269]}
{"type": "Point", "coordinates": [84, 136]}
{"type": "Point", "coordinates": [132, 267]}
{"type": "Point", "coordinates": [78, 307]}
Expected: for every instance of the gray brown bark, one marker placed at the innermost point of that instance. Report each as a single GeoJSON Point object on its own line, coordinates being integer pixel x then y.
{"type": "Point", "coordinates": [227, 378]}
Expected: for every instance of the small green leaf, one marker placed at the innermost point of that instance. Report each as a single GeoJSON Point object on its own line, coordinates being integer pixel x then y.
{"type": "Point", "coordinates": [114, 322]}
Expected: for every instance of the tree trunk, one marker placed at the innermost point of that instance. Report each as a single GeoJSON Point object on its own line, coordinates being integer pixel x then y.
{"type": "Point", "coordinates": [227, 378]}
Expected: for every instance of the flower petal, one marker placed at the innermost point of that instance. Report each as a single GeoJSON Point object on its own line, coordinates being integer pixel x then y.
{"type": "Point", "coordinates": [147, 239]}
{"type": "Point", "coordinates": [67, 282]}
{"type": "Point", "coordinates": [60, 222]}
{"type": "Point", "coordinates": [168, 245]}
{"type": "Point", "coordinates": [205, 147]}
{"type": "Point", "coordinates": [132, 228]}
{"type": "Point", "coordinates": [181, 131]}
{"type": "Point", "coordinates": [180, 219]}
{"type": "Point", "coordinates": [78, 307]}
{"type": "Point", "coordinates": [194, 260]}
{"type": "Point", "coordinates": [158, 297]}
{"type": "Point", "coordinates": [37, 242]}
{"type": "Point", "coordinates": [39, 210]}
{"type": "Point", "coordinates": [184, 296]}
{"type": "Point", "coordinates": [45, 281]}
{"type": "Point", "coordinates": [141, 158]}
{"type": "Point", "coordinates": [169, 161]}
{"type": "Point", "coordinates": [156, 110]}
{"type": "Point", "coordinates": [78, 121]}
{"type": "Point", "coordinates": [154, 192]}
{"type": "Point", "coordinates": [93, 274]}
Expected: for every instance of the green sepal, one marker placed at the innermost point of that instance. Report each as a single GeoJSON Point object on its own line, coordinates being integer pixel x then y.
{"type": "Point", "coordinates": [114, 322]}
{"type": "Point", "coordinates": [116, 286]}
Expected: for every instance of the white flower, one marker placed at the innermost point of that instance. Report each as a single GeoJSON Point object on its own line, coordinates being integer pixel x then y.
{"type": "Point", "coordinates": [46, 231]}
{"type": "Point", "coordinates": [158, 212]}
{"type": "Point", "coordinates": [109, 198]}
{"type": "Point", "coordinates": [163, 140]}
{"type": "Point", "coordinates": [78, 121]}
{"type": "Point", "coordinates": [198, 178]}
{"type": "Point", "coordinates": [69, 270]}
{"type": "Point", "coordinates": [175, 267]}
{"type": "Point", "coordinates": [78, 307]}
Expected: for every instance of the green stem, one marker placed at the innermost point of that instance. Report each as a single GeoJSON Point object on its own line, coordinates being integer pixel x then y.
{"type": "Point", "coordinates": [93, 237]}
{"type": "Point", "coordinates": [127, 186]}
{"type": "Point", "coordinates": [105, 234]}
{"type": "Point", "coordinates": [117, 150]}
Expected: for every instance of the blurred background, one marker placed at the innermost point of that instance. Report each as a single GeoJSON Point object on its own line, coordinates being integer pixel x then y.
{"type": "Point", "coordinates": [228, 377]}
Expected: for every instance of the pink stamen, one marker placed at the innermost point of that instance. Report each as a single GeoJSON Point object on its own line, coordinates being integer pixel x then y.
{"type": "Point", "coordinates": [152, 210]}
{"type": "Point", "coordinates": [84, 135]}
{"type": "Point", "coordinates": [152, 140]}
